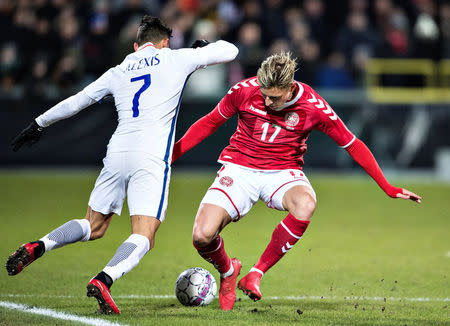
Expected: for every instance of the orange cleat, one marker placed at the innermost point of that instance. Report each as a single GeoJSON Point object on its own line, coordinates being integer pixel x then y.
{"type": "Point", "coordinates": [249, 284]}
{"type": "Point", "coordinates": [100, 291]}
{"type": "Point", "coordinates": [227, 290]}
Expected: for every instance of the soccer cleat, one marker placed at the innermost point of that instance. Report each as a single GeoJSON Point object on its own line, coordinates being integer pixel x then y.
{"type": "Point", "coordinates": [100, 291]}
{"type": "Point", "coordinates": [24, 256]}
{"type": "Point", "coordinates": [249, 284]}
{"type": "Point", "coordinates": [227, 290]}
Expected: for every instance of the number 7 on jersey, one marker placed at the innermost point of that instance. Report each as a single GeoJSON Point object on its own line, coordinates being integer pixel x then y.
{"type": "Point", "coordinates": [147, 81]}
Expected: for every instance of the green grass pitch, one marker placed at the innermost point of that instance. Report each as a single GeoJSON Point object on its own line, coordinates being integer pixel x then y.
{"type": "Point", "coordinates": [366, 259]}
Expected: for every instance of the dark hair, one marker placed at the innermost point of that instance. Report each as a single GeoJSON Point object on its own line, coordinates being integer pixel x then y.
{"type": "Point", "coordinates": [152, 29]}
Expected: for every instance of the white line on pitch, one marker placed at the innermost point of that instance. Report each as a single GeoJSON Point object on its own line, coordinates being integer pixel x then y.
{"type": "Point", "coordinates": [303, 297]}
{"type": "Point", "coordinates": [58, 315]}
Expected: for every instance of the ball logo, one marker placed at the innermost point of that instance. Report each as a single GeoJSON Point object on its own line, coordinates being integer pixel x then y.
{"type": "Point", "coordinates": [292, 119]}
{"type": "Point", "coordinates": [226, 181]}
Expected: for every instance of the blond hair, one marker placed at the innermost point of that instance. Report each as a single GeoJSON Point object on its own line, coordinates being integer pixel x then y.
{"type": "Point", "coordinates": [277, 71]}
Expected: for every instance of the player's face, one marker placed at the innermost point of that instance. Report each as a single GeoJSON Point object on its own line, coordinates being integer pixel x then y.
{"type": "Point", "coordinates": [275, 97]}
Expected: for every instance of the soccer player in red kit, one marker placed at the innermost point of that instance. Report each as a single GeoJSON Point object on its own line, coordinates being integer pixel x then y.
{"type": "Point", "coordinates": [264, 161]}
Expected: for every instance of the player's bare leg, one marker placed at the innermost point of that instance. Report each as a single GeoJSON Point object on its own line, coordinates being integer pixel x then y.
{"type": "Point", "coordinates": [210, 220]}
{"type": "Point", "coordinates": [92, 227]}
{"type": "Point", "coordinates": [300, 203]}
{"type": "Point", "coordinates": [126, 258]}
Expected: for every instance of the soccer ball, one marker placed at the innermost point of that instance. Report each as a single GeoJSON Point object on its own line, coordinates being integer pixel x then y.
{"type": "Point", "coordinates": [195, 287]}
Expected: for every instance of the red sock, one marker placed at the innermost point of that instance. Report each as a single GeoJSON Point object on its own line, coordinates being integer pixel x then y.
{"type": "Point", "coordinates": [285, 235]}
{"type": "Point", "coordinates": [215, 254]}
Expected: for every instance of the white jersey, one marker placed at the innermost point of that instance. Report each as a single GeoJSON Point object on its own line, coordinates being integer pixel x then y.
{"type": "Point", "coordinates": [147, 88]}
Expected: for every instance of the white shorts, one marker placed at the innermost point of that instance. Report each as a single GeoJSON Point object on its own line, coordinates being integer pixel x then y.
{"type": "Point", "coordinates": [141, 177]}
{"type": "Point", "coordinates": [237, 188]}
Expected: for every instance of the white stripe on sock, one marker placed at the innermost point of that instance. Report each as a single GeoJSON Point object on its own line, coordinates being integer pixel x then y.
{"type": "Point", "coordinates": [289, 231]}
{"type": "Point", "coordinates": [253, 269]}
{"type": "Point", "coordinates": [229, 272]}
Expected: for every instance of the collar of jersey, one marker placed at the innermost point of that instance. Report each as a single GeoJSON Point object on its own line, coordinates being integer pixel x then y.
{"type": "Point", "coordinates": [145, 45]}
{"type": "Point", "coordinates": [295, 99]}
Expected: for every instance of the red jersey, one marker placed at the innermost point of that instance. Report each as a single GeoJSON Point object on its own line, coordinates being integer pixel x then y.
{"type": "Point", "coordinates": [276, 140]}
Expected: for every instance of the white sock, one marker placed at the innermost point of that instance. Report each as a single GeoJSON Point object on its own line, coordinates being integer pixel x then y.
{"type": "Point", "coordinates": [229, 272]}
{"type": "Point", "coordinates": [70, 232]}
{"type": "Point", "coordinates": [127, 256]}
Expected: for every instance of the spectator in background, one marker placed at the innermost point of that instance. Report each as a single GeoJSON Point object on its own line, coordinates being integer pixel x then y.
{"type": "Point", "coordinates": [292, 15]}
{"type": "Point", "coordinates": [251, 50]}
{"type": "Point", "coordinates": [279, 45]}
{"type": "Point", "coordinates": [38, 83]}
{"type": "Point", "coordinates": [229, 13]}
{"type": "Point", "coordinates": [314, 16]}
{"type": "Point", "coordinates": [131, 8]}
{"type": "Point", "coordinates": [396, 40]}
{"type": "Point", "coordinates": [126, 37]}
{"type": "Point", "coordinates": [97, 46]}
{"type": "Point", "coordinates": [253, 12]}
{"type": "Point", "coordinates": [426, 31]}
{"type": "Point", "coordinates": [23, 32]}
{"type": "Point", "coordinates": [46, 39]}
{"type": "Point", "coordinates": [6, 21]}
{"type": "Point", "coordinates": [68, 73]}
{"type": "Point", "coordinates": [69, 30]}
{"type": "Point", "coordinates": [357, 41]}
{"type": "Point", "coordinates": [382, 14]}
{"type": "Point", "coordinates": [359, 6]}
{"type": "Point", "coordinates": [355, 34]}
{"type": "Point", "coordinates": [298, 33]}
{"type": "Point", "coordinates": [334, 74]}
{"type": "Point", "coordinates": [308, 53]}
{"type": "Point", "coordinates": [10, 66]}
{"type": "Point", "coordinates": [182, 26]}
{"type": "Point", "coordinates": [382, 28]}
{"type": "Point", "coordinates": [276, 28]}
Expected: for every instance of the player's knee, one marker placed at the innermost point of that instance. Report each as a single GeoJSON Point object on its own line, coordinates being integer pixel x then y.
{"type": "Point", "coordinates": [303, 207]}
{"type": "Point", "coordinates": [201, 237]}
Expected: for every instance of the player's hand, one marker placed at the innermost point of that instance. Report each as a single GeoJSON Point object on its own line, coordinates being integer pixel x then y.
{"type": "Point", "coordinates": [406, 194]}
{"type": "Point", "coordinates": [30, 135]}
{"type": "Point", "coordinates": [199, 44]}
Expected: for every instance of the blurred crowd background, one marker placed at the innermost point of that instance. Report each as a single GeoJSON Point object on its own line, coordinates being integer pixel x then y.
{"type": "Point", "coordinates": [51, 49]}
{"type": "Point", "coordinates": [54, 47]}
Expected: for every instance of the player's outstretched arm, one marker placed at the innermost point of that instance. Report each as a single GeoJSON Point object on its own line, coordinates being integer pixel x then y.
{"type": "Point", "coordinates": [214, 53]}
{"type": "Point", "coordinates": [67, 108]}
{"type": "Point", "coordinates": [196, 133]}
{"type": "Point", "coordinates": [363, 156]}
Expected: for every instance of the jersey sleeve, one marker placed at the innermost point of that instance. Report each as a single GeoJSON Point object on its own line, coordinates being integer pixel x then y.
{"type": "Point", "coordinates": [211, 54]}
{"type": "Point", "coordinates": [229, 104]}
{"type": "Point", "coordinates": [329, 122]}
{"type": "Point", "coordinates": [100, 87]}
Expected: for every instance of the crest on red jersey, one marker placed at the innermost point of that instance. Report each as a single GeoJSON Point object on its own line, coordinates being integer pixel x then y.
{"type": "Point", "coordinates": [292, 119]}
{"type": "Point", "coordinates": [226, 181]}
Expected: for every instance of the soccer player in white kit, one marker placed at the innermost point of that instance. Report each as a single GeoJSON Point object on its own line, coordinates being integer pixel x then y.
{"type": "Point", "coordinates": [147, 88]}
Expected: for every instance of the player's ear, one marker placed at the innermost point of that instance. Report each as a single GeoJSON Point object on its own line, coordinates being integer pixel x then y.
{"type": "Point", "coordinates": [165, 43]}
{"type": "Point", "coordinates": [136, 46]}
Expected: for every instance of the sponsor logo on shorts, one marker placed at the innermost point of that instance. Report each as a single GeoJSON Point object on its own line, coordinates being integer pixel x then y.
{"type": "Point", "coordinates": [292, 119]}
{"type": "Point", "coordinates": [226, 181]}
